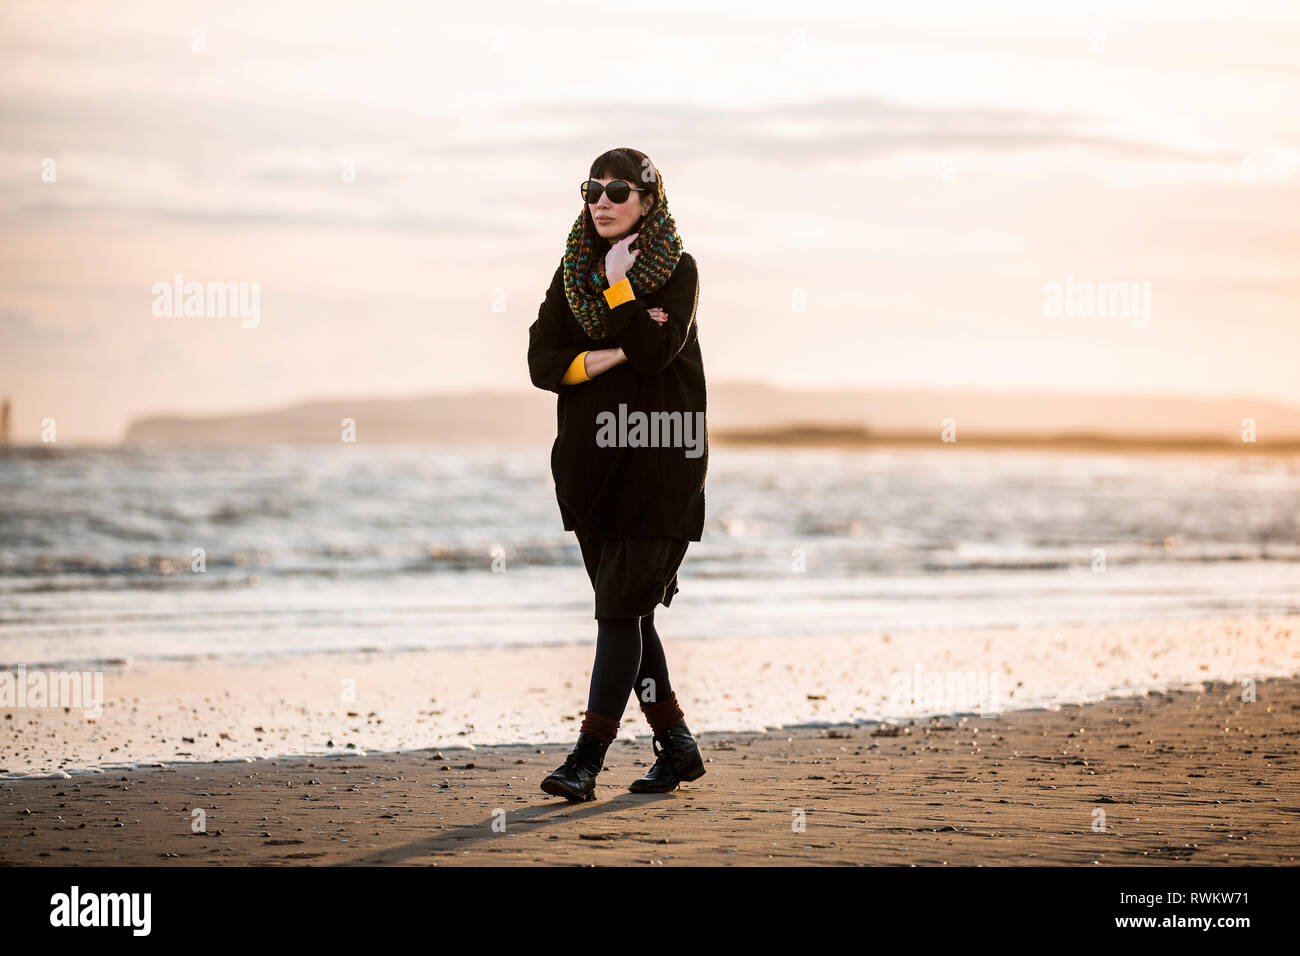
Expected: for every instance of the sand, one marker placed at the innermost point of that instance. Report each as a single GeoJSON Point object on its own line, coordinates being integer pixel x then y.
{"type": "Point", "coordinates": [1196, 776]}
{"type": "Point", "coordinates": [162, 712]}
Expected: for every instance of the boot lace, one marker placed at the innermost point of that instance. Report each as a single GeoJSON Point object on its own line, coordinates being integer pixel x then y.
{"type": "Point", "coordinates": [661, 749]}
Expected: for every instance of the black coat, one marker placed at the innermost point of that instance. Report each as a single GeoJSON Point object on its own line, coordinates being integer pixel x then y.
{"type": "Point", "coordinates": [620, 491]}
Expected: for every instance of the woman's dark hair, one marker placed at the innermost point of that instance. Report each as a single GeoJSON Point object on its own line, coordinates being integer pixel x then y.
{"type": "Point", "coordinates": [633, 167]}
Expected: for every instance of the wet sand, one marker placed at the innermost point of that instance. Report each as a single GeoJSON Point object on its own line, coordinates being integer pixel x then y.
{"type": "Point", "coordinates": [1187, 777]}
{"type": "Point", "coordinates": [160, 712]}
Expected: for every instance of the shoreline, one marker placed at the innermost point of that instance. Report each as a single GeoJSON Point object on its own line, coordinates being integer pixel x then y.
{"type": "Point", "coordinates": [1197, 776]}
{"type": "Point", "coordinates": [166, 714]}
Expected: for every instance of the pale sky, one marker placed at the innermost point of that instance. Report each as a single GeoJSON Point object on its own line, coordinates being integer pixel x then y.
{"type": "Point", "coordinates": [912, 173]}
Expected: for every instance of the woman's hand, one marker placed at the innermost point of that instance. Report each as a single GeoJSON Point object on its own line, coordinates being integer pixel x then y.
{"type": "Point", "coordinates": [602, 360]}
{"type": "Point", "coordinates": [619, 259]}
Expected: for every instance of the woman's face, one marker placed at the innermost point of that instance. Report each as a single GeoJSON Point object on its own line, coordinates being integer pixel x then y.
{"type": "Point", "coordinates": [614, 220]}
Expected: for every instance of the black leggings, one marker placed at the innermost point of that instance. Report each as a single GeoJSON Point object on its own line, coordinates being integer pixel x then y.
{"type": "Point", "coordinates": [629, 657]}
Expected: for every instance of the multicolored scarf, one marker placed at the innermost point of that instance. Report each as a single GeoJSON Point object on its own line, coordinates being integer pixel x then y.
{"type": "Point", "coordinates": [584, 271]}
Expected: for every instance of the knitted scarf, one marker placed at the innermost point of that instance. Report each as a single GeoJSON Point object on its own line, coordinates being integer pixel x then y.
{"type": "Point", "coordinates": [584, 271]}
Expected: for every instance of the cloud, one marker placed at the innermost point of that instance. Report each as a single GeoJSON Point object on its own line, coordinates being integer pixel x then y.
{"type": "Point", "coordinates": [172, 159]}
{"type": "Point", "coordinates": [847, 128]}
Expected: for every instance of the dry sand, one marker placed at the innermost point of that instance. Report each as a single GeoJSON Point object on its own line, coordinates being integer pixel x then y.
{"type": "Point", "coordinates": [1192, 776]}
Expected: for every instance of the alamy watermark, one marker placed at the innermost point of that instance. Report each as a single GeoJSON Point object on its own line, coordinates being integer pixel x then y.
{"type": "Point", "coordinates": [946, 692]}
{"type": "Point", "coordinates": [1086, 299]}
{"type": "Point", "coordinates": [651, 430]}
{"type": "Point", "coordinates": [129, 910]}
{"type": "Point", "coordinates": [208, 300]}
{"type": "Point", "coordinates": [38, 688]}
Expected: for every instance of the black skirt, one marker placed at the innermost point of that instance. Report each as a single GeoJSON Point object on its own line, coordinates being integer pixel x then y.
{"type": "Point", "coordinates": [632, 575]}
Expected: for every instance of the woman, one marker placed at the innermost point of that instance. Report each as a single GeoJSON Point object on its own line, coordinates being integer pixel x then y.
{"type": "Point", "coordinates": [615, 336]}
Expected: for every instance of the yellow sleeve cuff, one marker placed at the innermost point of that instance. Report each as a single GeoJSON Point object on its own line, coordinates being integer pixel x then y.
{"type": "Point", "coordinates": [577, 371]}
{"type": "Point", "coordinates": [619, 292]}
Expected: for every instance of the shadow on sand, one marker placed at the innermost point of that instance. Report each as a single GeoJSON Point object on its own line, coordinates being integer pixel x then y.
{"type": "Point", "coordinates": [452, 839]}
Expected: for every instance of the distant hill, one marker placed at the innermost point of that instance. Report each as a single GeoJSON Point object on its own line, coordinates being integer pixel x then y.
{"type": "Point", "coordinates": [459, 418]}
{"type": "Point", "coordinates": [523, 417]}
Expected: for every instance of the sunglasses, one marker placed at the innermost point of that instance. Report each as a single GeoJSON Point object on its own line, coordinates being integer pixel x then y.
{"type": "Point", "coordinates": [618, 191]}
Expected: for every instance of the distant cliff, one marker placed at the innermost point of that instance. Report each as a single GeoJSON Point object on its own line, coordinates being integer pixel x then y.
{"type": "Point", "coordinates": [851, 416]}
{"type": "Point", "coordinates": [464, 418]}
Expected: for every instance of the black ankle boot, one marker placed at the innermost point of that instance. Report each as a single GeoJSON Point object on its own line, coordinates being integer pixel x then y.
{"type": "Point", "coordinates": [679, 760]}
{"type": "Point", "coordinates": [575, 779]}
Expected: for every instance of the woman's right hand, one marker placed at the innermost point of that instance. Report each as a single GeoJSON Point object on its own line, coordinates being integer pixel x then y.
{"type": "Point", "coordinates": [619, 259]}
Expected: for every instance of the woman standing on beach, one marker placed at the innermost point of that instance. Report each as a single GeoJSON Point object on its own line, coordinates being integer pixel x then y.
{"type": "Point", "coordinates": [616, 335]}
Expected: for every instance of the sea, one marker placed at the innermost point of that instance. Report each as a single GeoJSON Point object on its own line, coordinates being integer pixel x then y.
{"type": "Point", "coordinates": [110, 556]}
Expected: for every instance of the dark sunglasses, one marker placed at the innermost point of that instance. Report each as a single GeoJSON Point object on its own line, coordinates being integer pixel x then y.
{"type": "Point", "coordinates": [618, 191]}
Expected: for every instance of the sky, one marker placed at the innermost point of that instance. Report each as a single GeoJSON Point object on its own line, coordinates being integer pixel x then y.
{"type": "Point", "coordinates": [879, 195]}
